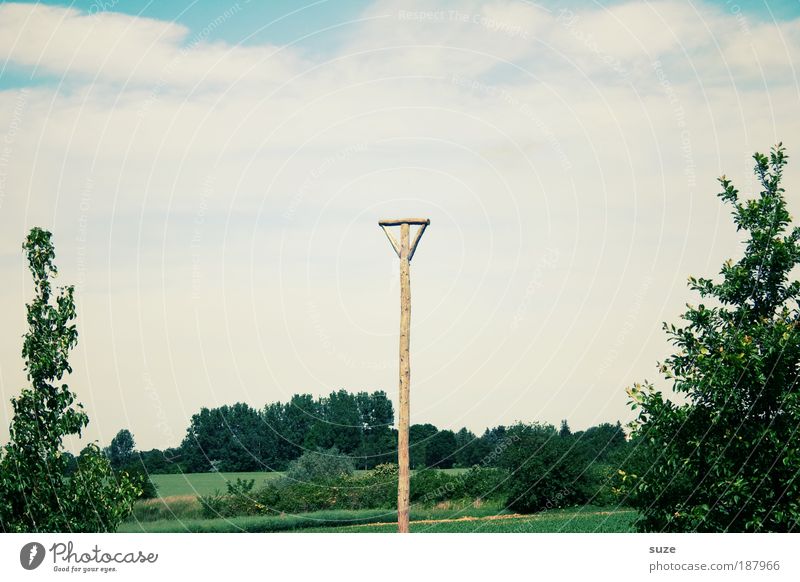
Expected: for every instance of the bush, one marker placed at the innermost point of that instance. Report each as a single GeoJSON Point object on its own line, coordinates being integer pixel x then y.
{"type": "Point", "coordinates": [431, 485]}
{"type": "Point", "coordinates": [239, 500]}
{"type": "Point", "coordinates": [486, 483]}
{"type": "Point", "coordinates": [546, 471]}
{"type": "Point", "coordinates": [375, 489]}
{"type": "Point", "coordinates": [319, 467]}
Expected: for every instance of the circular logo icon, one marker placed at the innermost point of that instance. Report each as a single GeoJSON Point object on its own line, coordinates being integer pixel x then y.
{"type": "Point", "coordinates": [31, 555]}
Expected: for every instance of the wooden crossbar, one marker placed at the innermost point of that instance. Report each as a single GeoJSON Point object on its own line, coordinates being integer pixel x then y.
{"type": "Point", "coordinates": [399, 221]}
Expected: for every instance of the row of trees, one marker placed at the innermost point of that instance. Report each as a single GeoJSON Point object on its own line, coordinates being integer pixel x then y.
{"type": "Point", "coordinates": [241, 438]}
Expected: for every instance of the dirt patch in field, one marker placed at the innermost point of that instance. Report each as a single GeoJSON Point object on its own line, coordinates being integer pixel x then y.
{"type": "Point", "coordinates": [503, 516]}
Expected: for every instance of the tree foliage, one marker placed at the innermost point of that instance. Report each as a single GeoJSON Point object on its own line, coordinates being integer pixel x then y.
{"type": "Point", "coordinates": [36, 491]}
{"type": "Point", "coordinates": [724, 455]}
{"type": "Point", "coordinates": [121, 450]}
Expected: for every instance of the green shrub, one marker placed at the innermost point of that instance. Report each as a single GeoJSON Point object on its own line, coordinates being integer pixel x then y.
{"type": "Point", "coordinates": [319, 466]}
{"type": "Point", "coordinates": [485, 483]}
{"type": "Point", "coordinates": [375, 489]}
{"type": "Point", "coordinates": [546, 471]}
{"type": "Point", "coordinates": [239, 500]}
{"type": "Point", "coordinates": [214, 505]}
{"type": "Point", "coordinates": [431, 485]}
{"type": "Point", "coordinates": [241, 486]}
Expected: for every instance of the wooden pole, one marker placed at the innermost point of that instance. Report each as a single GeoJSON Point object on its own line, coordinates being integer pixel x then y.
{"type": "Point", "coordinates": [403, 462]}
{"type": "Point", "coordinates": [405, 251]}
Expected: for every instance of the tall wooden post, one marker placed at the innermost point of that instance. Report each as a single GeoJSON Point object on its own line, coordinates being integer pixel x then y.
{"type": "Point", "coordinates": [405, 251]}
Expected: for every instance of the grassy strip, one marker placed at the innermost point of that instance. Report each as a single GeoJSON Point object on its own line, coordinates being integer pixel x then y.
{"type": "Point", "coordinates": [178, 507]}
{"type": "Point", "coordinates": [319, 519]}
{"type": "Point", "coordinates": [583, 520]}
{"type": "Point", "coordinates": [261, 523]}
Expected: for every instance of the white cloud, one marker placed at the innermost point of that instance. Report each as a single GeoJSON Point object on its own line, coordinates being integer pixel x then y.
{"type": "Point", "coordinates": [107, 46]}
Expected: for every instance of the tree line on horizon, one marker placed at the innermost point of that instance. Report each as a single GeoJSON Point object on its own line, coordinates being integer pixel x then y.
{"type": "Point", "coordinates": [241, 438]}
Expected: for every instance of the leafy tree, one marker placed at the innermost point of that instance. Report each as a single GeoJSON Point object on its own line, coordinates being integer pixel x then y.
{"type": "Point", "coordinates": [338, 423]}
{"type": "Point", "coordinates": [120, 451]}
{"type": "Point", "coordinates": [228, 438]}
{"type": "Point", "coordinates": [440, 450]}
{"type": "Point", "coordinates": [36, 494]}
{"type": "Point", "coordinates": [378, 441]}
{"type": "Point", "coordinates": [564, 431]}
{"type": "Point", "coordinates": [467, 448]}
{"type": "Point", "coordinates": [159, 462]}
{"type": "Point", "coordinates": [603, 440]}
{"type": "Point", "coordinates": [299, 416]}
{"type": "Point", "coordinates": [418, 437]}
{"type": "Point", "coordinates": [725, 455]}
{"type": "Point", "coordinates": [273, 416]}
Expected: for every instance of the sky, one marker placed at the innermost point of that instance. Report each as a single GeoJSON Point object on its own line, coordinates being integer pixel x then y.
{"type": "Point", "coordinates": [213, 174]}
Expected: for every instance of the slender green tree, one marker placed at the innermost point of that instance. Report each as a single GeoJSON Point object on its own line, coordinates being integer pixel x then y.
{"type": "Point", "coordinates": [36, 492]}
{"type": "Point", "coordinates": [121, 450]}
{"type": "Point", "coordinates": [725, 454]}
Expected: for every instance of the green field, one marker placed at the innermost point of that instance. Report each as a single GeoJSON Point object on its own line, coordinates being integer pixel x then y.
{"type": "Point", "coordinates": [203, 483]}
{"type": "Point", "coordinates": [206, 483]}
